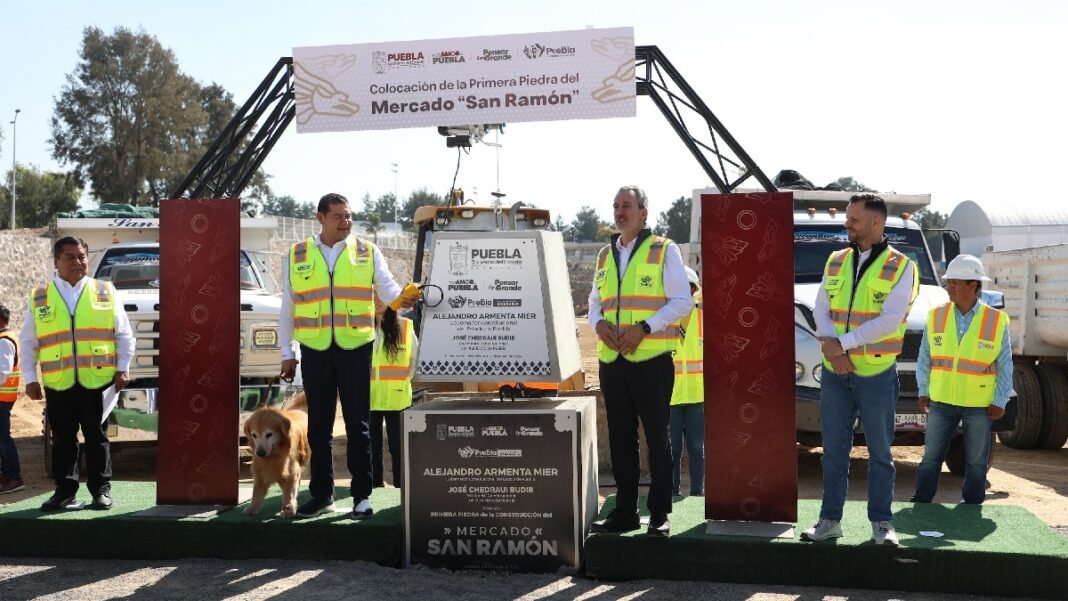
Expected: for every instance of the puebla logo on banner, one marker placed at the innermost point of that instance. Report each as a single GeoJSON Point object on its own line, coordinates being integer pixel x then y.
{"type": "Point", "coordinates": [584, 74]}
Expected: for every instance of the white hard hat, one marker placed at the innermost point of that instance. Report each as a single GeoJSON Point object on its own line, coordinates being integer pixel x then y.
{"type": "Point", "coordinates": [692, 277]}
{"type": "Point", "coordinates": [966, 267]}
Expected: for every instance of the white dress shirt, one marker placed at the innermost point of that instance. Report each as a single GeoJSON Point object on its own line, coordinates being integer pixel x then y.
{"type": "Point", "coordinates": [124, 338]}
{"type": "Point", "coordinates": [388, 289]}
{"type": "Point", "coordinates": [895, 309]}
{"type": "Point", "coordinates": [676, 287]}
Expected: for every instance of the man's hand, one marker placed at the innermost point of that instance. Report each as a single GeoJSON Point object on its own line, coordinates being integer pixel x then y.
{"type": "Point", "coordinates": [831, 347]}
{"type": "Point", "coordinates": [842, 364]}
{"type": "Point", "coordinates": [630, 338]}
{"type": "Point", "coordinates": [608, 334]}
{"type": "Point", "coordinates": [995, 412]}
{"type": "Point", "coordinates": [289, 369]}
{"type": "Point", "coordinates": [34, 391]}
{"type": "Point", "coordinates": [122, 378]}
{"type": "Point", "coordinates": [925, 404]}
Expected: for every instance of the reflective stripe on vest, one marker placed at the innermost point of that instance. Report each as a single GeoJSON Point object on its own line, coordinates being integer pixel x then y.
{"type": "Point", "coordinates": [965, 373]}
{"type": "Point", "coordinates": [690, 363]}
{"type": "Point", "coordinates": [81, 349]}
{"type": "Point", "coordinates": [850, 309]}
{"type": "Point", "coordinates": [334, 307]}
{"type": "Point", "coordinates": [391, 386]}
{"type": "Point", "coordinates": [639, 296]}
{"type": "Point", "coordinates": [9, 390]}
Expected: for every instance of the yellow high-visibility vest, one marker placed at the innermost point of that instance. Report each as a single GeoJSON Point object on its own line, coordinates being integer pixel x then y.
{"type": "Point", "coordinates": [9, 390]}
{"type": "Point", "coordinates": [336, 307]}
{"type": "Point", "coordinates": [639, 296]}
{"type": "Point", "coordinates": [391, 386]}
{"type": "Point", "coordinates": [690, 362]}
{"type": "Point", "coordinates": [965, 373]}
{"type": "Point", "coordinates": [82, 348]}
{"type": "Point", "coordinates": [850, 309]}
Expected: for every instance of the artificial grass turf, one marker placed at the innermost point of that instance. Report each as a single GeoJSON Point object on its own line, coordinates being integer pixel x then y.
{"type": "Point", "coordinates": [119, 533]}
{"type": "Point", "coordinates": [993, 550]}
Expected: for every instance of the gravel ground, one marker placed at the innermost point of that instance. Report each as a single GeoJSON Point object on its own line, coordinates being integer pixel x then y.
{"type": "Point", "coordinates": [209, 580]}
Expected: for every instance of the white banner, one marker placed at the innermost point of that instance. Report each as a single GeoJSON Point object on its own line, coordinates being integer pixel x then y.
{"type": "Point", "coordinates": [584, 74]}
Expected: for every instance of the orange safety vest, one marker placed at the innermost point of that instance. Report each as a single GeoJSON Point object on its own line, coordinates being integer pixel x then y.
{"type": "Point", "coordinates": [9, 390]}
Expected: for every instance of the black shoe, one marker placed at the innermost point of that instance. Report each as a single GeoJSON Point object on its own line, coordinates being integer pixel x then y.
{"type": "Point", "coordinates": [315, 507]}
{"type": "Point", "coordinates": [101, 501]}
{"type": "Point", "coordinates": [659, 526]}
{"type": "Point", "coordinates": [618, 521]}
{"type": "Point", "coordinates": [58, 501]}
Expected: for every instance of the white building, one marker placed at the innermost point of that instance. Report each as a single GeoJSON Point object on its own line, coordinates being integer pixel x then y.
{"type": "Point", "coordinates": [986, 229]}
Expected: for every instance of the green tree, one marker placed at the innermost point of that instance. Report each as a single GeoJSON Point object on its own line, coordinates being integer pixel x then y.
{"type": "Point", "coordinates": [675, 222]}
{"type": "Point", "coordinates": [849, 184]}
{"type": "Point", "coordinates": [418, 198]}
{"type": "Point", "coordinates": [386, 207]}
{"type": "Point", "coordinates": [605, 231]}
{"type": "Point", "coordinates": [40, 196]}
{"type": "Point", "coordinates": [930, 219]}
{"type": "Point", "coordinates": [382, 207]}
{"type": "Point", "coordinates": [129, 122]}
{"type": "Point", "coordinates": [287, 206]}
{"type": "Point", "coordinates": [374, 225]}
{"type": "Point", "coordinates": [587, 225]}
{"type": "Point", "coordinates": [564, 229]}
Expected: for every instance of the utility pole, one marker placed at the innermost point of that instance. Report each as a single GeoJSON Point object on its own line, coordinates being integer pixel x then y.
{"type": "Point", "coordinates": [14, 165]}
{"type": "Point", "coordinates": [396, 199]}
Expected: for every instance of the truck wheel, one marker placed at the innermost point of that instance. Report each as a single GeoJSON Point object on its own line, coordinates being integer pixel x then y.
{"type": "Point", "coordinates": [1054, 382]}
{"type": "Point", "coordinates": [955, 455]}
{"type": "Point", "coordinates": [1028, 408]}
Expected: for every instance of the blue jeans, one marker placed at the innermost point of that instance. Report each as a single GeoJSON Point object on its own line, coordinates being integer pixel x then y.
{"type": "Point", "coordinates": [9, 455]}
{"type": "Point", "coordinates": [942, 420]}
{"type": "Point", "coordinates": [689, 419]}
{"type": "Point", "coordinates": [841, 399]}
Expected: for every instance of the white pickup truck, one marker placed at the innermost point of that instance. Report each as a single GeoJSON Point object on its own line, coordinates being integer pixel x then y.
{"type": "Point", "coordinates": [126, 252]}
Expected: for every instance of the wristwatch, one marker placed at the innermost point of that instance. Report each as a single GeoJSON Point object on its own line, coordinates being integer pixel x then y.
{"type": "Point", "coordinates": [645, 327]}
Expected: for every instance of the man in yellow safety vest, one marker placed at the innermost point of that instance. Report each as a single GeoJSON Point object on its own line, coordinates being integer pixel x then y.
{"type": "Point", "coordinates": [640, 292]}
{"type": "Point", "coordinates": [860, 311]}
{"type": "Point", "coordinates": [80, 335]}
{"type": "Point", "coordinates": [327, 307]}
{"type": "Point", "coordinates": [964, 374]}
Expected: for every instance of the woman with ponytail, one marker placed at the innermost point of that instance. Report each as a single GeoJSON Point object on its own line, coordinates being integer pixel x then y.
{"type": "Point", "coordinates": [392, 368]}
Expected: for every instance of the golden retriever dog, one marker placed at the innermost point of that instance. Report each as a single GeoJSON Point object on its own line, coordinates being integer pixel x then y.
{"type": "Point", "coordinates": [280, 450]}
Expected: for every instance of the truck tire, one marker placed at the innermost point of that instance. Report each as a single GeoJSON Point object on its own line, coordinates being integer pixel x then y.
{"type": "Point", "coordinates": [955, 454]}
{"type": "Point", "coordinates": [1053, 379]}
{"type": "Point", "coordinates": [1028, 408]}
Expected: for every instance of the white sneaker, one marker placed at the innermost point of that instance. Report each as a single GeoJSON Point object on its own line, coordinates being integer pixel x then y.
{"type": "Point", "coordinates": [882, 533]}
{"type": "Point", "coordinates": [362, 510]}
{"type": "Point", "coordinates": [823, 530]}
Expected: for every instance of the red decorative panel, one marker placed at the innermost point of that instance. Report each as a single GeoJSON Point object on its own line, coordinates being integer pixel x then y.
{"type": "Point", "coordinates": [199, 352]}
{"type": "Point", "coordinates": [747, 262]}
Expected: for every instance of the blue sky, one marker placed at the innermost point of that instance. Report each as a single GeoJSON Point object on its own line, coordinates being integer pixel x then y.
{"type": "Point", "coordinates": [962, 100]}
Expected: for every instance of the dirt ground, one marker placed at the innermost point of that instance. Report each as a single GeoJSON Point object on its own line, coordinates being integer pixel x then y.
{"type": "Point", "coordinates": [1036, 480]}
